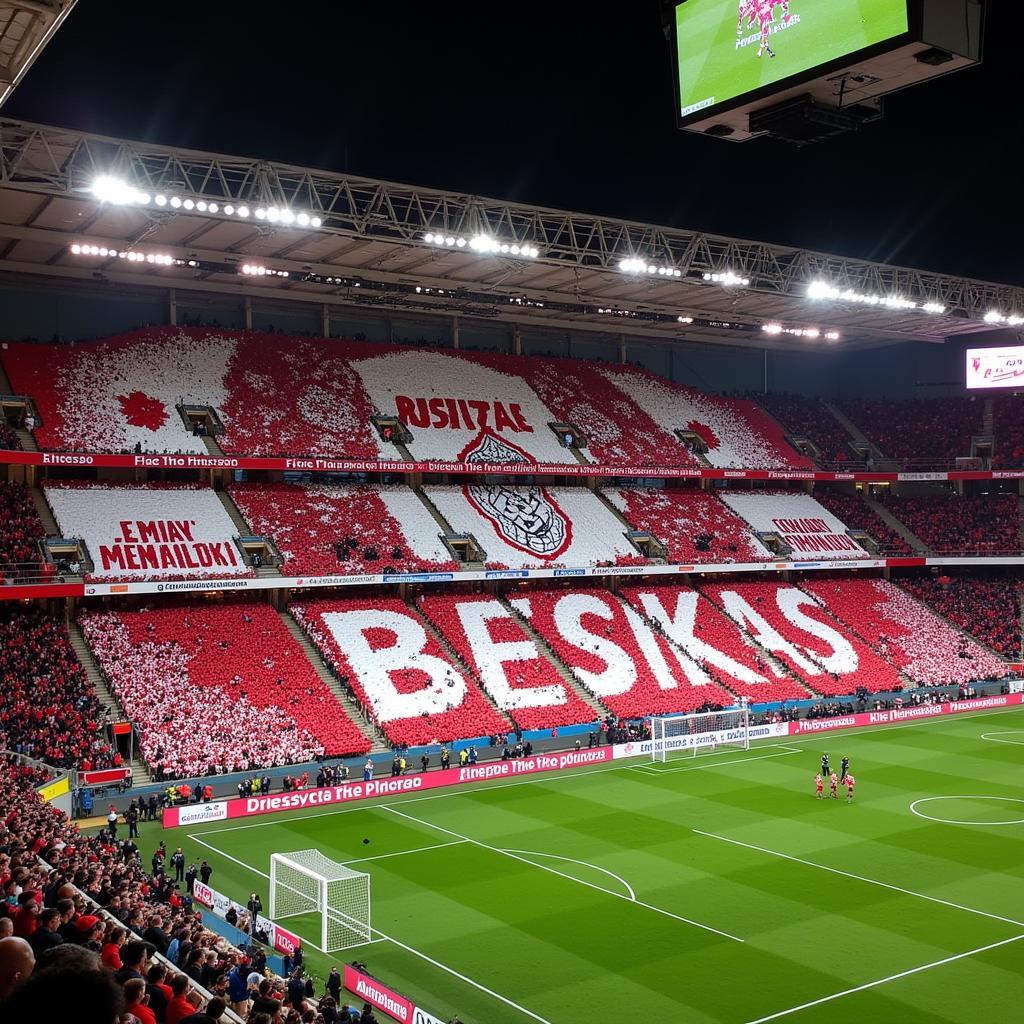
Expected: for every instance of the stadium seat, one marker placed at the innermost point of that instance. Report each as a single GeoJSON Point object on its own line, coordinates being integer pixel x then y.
{"type": "Point", "coordinates": [48, 709]}
{"type": "Point", "coordinates": [522, 526]}
{"type": "Point", "coordinates": [218, 688]}
{"type": "Point", "coordinates": [805, 637]}
{"type": "Point", "coordinates": [20, 532]}
{"type": "Point", "coordinates": [809, 529]}
{"type": "Point", "coordinates": [616, 655]}
{"type": "Point", "coordinates": [906, 633]}
{"type": "Point", "coordinates": [519, 677]}
{"type": "Point", "coordinates": [858, 515]}
{"type": "Point", "coordinates": [695, 526]}
{"type": "Point", "coordinates": [149, 530]}
{"type": "Point", "coordinates": [389, 527]}
{"type": "Point", "coordinates": [988, 609]}
{"type": "Point", "coordinates": [409, 684]}
{"type": "Point", "coordinates": [952, 525]}
{"type": "Point", "coordinates": [810, 418]}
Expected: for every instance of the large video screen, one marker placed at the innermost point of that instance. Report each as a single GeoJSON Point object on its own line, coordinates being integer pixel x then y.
{"type": "Point", "coordinates": [727, 48]}
{"type": "Point", "coordinates": [996, 367]}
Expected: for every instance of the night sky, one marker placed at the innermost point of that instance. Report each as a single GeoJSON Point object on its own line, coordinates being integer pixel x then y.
{"type": "Point", "coordinates": [565, 104]}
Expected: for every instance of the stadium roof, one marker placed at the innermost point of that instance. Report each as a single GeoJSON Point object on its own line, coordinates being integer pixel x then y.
{"type": "Point", "coordinates": [26, 26]}
{"type": "Point", "coordinates": [365, 242]}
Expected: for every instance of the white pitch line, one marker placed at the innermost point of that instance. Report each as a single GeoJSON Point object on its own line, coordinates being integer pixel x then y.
{"type": "Point", "coordinates": [883, 981]}
{"type": "Point", "coordinates": [401, 945]}
{"type": "Point", "coordinates": [562, 874]}
{"type": "Point", "coordinates": [649, 770]}
{"type": "Point", "coordinates": [456, 791]}
{"type": "Point", "coordinates": [403, 853]}
{"type": "Point", "coordinates": [861, 878]}
{"type": "Point", "coordinates": [584, 863]}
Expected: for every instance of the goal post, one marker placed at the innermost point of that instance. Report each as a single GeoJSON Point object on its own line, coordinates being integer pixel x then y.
{"type": "Point", "coordinates": [674, 736]}
{"type": "Point", "coordinates": [306, 883]}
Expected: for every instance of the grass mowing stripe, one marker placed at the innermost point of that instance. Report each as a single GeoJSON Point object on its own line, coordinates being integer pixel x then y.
{"type": "Point", "coordinates": [571, 878]}
{"type": "Point", "coordinates": [401, 945]}
{"type": "Point", "coordinates": [403, 853]}
{"type": "Point", "coordinates": [883, 981]}
{"type": "Point", "coordinates": [277, 819]}
{"type": "Point", "coordinates": [861, 878]}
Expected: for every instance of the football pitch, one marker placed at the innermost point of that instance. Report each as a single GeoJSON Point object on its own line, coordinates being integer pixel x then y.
{"type": "Point", "coordinates": [714, 888]}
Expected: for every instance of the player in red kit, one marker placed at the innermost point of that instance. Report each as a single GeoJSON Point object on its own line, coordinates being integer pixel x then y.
{"type": "Point", "coordinates": [762, 11]}
{"type": "Point", "coordinates": [833, 782]}
{"type": "Point", "coordinates": [819, 785]}
{"type": "Point", "coordinates": [850, 782]}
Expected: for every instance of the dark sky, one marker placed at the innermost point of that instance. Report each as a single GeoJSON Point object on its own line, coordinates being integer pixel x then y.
{"type": "Point", "coordinates": [566, 104]}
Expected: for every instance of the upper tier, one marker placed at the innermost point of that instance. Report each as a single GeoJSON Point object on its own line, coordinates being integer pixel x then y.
{"type": "Point", "coordinates": [279, 395]}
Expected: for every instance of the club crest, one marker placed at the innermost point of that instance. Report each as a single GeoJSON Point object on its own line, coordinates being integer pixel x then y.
{"type": "Point", "coordinates": [527, 518]}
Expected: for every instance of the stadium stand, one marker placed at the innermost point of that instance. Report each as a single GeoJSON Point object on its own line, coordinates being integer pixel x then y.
{"type": "Point", "coordinates": [803, 636]}
{"type": "Point", "coordinates": [858, 515]}
{"type": "Point", "coordinates": [519, 678]}
{"type": "Point", "coordinates": [381, 649]}
{"type": "Point", "coordinates": [333, 529]}
{"type": "Point", "coordinates": [988, 609]}
{"type": "Point", "coordinates": [804, 525]}
{"type": "Point", "coordinates": [535, 526]}
{"type": "Point", "coordinates": [921, 432]}
{"type": "Point", "coordinates": [1008, 430]}
{"type": "Point", "coordinates": [949, 524]}
{"type": "Point", "coordinates": [693, 623]}
{"type": "Point", "coordinates": [695, 526]}
{"type": "Point", "coordinates": [810, 418]}
{"type": "Point", "coordinates": [907, 634]}
{"type": "Point", "coordinates": [48, 710]}
{"type": "Point", "coordinates": [20, 533]}
{"type": "Point", "coordinates": [148, 530]}
{"type": "Point", "coordinates": [9, 439]}
{"type": "Point", "coordinates": [616, 655]}
{"type": "Point", "coordinates": [98, 884]}
{"type": "Point", "coordinates": [276, 394]}
{"type": "Point", "coordinates": [216, 689]}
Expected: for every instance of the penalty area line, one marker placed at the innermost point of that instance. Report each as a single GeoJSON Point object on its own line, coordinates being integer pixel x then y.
{"type": "Point", "coordinates": [884, 981]}
{"type": "Point", "coordinates": [861, 878]}
{"type": "Point", "coordinates": [653, 769]}
{"type": "Point", "coordinates": [562, 874]}
{"type": "Point", "coordinates": [383, 937]}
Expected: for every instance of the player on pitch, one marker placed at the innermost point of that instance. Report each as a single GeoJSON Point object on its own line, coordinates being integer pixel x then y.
{"type": "Point", "coordinates": [833, 782]}
{"type": "Point", "coordinates": [819, 785]}
{"type": "Point", "coordinates": [850, 783]}
{"type": "Point", "coordinates": [844, 767]}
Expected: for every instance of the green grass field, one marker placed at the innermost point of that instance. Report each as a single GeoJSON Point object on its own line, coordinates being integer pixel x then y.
{"type": "Point", "coordinates": [712, 67]}
{"type": "Point", "coordinates": [707, 889]}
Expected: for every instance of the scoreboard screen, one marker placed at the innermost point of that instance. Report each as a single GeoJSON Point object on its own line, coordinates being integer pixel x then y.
{"type": "Point", "coordinates": [996, 367]}
{"type": "Point", "coordinates": [727, 49]}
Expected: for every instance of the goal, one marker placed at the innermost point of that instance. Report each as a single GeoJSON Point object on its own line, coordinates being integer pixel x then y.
{"type": "Point", "coordinates": [335, 897]}
{"type": "Point", "coordinates": [689, 735]}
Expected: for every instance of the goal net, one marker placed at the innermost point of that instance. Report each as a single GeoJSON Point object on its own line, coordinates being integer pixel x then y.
{"type": "Point", "coordinates": [678, 736]}
{"type": "Point", "coordinates": [334, 897]}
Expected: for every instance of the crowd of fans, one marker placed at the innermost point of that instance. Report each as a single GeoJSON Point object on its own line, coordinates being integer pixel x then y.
{"type": "Point", "coordinates": [695, 526]}
{"type": "Point", "coordinates": [383, 654]}
{"type": "Point", "coordinates": [1008, 428]}
{"type": "Point", "coordinates": [858, 515]}
{"type": "Point", "coordinates": [84, 921]}
{"type": "Point", "coordinates": [8, 437]}
{"type": "Point", "coordinates": [327, 530]}
{"type": "Point", "coordinates": [218, 688]}
{"type": "Point", "coordinates": [809, 417]}
{"type": "Point", "coordinates": [989, 524]}
{"type": "Point", "coordinates": [48, 710]}
{"type": "Point", "coordinates": [20, 531]}
{"type": "Point", "coordinates": [919, 432]}
{"type": "Point", "coordinates": [520, 680]}
{"type": "Point", "coordinates": [988, 609]}
{"type": "Point", "coordinates": [905, 633]}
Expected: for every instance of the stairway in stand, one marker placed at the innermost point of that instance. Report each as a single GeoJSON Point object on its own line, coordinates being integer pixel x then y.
{"type": "Point", "coordinates": [919, 546]}
{"type": "Point", "coordinates": [546, 651]}
{"type": "Point", "coordinates": [141, 775]}
{"type": "Point", "coordinates": [347, 705]}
